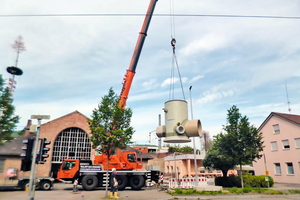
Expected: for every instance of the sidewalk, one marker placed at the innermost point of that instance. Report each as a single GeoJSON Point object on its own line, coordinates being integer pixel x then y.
{"type": "Point", "coordinates": [286, 186]}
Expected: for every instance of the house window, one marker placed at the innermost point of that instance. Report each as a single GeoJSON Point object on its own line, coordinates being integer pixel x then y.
{"type": "Point", "coordinates": [297, 143]}
{"type": "Point", "coordinates": [286, 144]}
{"type": "Point", "coordinates": [168, 169]}
{"type": "Point", "coordinates": [277, 169]}
{"type": "Point", "coordinates": [172, 169]}
{"type": "Point", "coordinates": [219, 171]}
{"type": "Point", "coordinates": [290, 169]}
{"type": "Point", "coordinates": [274, 146]}
{"type": "Point", "coordinates": [210, 171]}
{"type": "Point", "coordinates": [276, 128]}
{"type": "Point", "coordinates": [203, 171]}
{"type": "Point", "coordinates": [2, 162]}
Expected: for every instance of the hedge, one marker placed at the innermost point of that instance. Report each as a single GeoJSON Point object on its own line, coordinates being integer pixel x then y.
{"type": "Point", "coordinates": [248, 179]}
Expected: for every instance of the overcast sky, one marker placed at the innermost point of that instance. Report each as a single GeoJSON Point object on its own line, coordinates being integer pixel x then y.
{"type": "Point", "coordinates": [71, 62]}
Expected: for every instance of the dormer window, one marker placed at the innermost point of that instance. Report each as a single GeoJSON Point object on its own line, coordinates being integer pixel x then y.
{"type": "Point", "coordinates": [276, 129]}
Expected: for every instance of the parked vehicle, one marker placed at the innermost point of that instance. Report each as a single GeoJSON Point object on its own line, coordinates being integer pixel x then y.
{"type": "Point", "coordinates": [43, 183]}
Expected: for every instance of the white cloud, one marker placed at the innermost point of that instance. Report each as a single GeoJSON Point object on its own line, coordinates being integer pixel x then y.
{"type": "Point", "coordinates": [196, 78]}
{"type": "Point", "coordinates": [151, 84]}
{"type": "Point", "coordinates": [207, 43]}
{"type": "Point", "coordinates": [217, 92]}
{"type": "Point", "coordinates": [168, 81]}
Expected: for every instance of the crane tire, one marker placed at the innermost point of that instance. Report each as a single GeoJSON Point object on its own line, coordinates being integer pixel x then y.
{"type": "Point", "coordinates": [122, 182]}
{"type": "Point", "coordinates": [136, 182]}
{"type": "Point", "coordinates": [46, 185]}
{"type": "Point", "coordinates": [89, 182]}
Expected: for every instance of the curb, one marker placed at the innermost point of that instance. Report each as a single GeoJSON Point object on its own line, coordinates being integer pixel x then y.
{"type": "Point", "coordinates": [227, 197]}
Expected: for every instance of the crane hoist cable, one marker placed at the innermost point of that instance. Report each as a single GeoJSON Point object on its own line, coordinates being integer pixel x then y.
{"type": "Point", "coordinates": [174, 58]}
{"type": "Point", "coordinates": [172, 79]}
{"type": "Point", "coordinates": [172, 19]}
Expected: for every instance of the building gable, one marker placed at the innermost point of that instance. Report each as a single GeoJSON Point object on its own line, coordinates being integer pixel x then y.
{"type": "Point", "coordinates": [294, 119]}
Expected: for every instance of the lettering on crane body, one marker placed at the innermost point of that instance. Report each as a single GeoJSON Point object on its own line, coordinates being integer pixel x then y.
{"type": "Point", "coordinates": [90, 168]}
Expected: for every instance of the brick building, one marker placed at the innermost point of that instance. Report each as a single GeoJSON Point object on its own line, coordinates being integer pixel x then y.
{"type": "Point", "coordinates": [68, 134]}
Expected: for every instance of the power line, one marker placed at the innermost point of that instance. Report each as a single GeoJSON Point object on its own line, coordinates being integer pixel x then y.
{"type": "Point", "coordinates": [155, 15]}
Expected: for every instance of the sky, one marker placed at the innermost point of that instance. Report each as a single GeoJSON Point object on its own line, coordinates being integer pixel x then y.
{"type": "Point", "coordinates": [71, 62]}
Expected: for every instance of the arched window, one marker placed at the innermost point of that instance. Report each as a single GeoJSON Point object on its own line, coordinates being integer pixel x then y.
{"type": "Point", "coordinates": [71, 143]}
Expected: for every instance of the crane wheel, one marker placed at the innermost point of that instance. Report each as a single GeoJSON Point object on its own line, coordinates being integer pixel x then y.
{"type": "Point", "coordinates": [89, 182]}
{"type": "Point", "coordinates": [136, 182]}
{"type": "Point", "coordinates": [122, 182]}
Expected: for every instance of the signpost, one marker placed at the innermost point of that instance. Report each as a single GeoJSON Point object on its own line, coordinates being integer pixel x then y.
{"type": "Point", "coordinates": [32, 178]}
{"type": "Point", "coordinates": [268, 178]}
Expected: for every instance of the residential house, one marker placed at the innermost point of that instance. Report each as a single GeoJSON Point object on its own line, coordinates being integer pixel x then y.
{"type": "Point", "coordinates": [281, 135]}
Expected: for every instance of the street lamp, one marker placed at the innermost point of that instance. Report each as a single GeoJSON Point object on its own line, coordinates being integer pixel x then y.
{"type": "Point", "coordinates": [195, 159]}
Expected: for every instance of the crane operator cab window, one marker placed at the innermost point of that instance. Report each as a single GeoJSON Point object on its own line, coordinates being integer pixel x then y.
{"type": "Point", "coordinates": [131, 158]}
{"type": "Point", "coordinates": [68, 165]}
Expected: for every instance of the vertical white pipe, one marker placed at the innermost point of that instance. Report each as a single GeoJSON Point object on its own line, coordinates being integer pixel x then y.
{"type": "Point", "coordinates": [195, 159]}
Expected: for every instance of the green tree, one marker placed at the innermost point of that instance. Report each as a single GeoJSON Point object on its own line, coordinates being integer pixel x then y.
{"type": "Point", "coordinates": [246, 142]}
{"type": "Point", "coordinates": [185, 149]}
{"type": "Point", "coordinates": [8, 119]}
{"type": "Point", "coordinates": [110, 126]}
{"type": "Point", "coordinates": [218, 157]}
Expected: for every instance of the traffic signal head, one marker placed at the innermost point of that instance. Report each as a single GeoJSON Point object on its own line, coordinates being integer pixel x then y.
{"type": "Point", "coordinates": [44, 150]}
{"type": "Point", "coordinates": [27, 155]}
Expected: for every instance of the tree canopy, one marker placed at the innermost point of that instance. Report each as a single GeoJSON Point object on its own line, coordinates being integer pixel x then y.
{"type": "Point", "coordinates": [8, 119]}
{"type": "Point", "coordinates": [246, 142]}
{"type": "Point", "coordinates": [218, 156]}
{"type": "Point", "coordinates": [240, 144]}
{"type": "Point", "coordinates": [110, 125]}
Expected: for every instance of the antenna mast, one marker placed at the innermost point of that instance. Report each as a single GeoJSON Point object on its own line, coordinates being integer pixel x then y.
{"type": "Point", "coordinates": [287, 96]}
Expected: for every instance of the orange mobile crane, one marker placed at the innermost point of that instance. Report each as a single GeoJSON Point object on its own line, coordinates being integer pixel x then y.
{"type": "Point", "coordinates": [91, 176]}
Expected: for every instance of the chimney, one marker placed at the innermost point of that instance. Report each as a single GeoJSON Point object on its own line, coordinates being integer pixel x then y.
{"type": "Point", "coordinates": [27, 128]}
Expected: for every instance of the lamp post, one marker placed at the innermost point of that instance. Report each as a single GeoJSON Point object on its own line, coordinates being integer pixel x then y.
{"type": "Point", "coordinates": [194, 146]}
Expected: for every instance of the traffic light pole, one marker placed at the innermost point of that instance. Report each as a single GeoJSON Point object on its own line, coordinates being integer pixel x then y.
{"type": "Point", "coordinates": [31, 191]}
{"type": "Point", "coordinates": [32, 179]}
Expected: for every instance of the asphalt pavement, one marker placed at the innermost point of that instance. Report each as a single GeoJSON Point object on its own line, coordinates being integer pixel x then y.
{"type": "Point", "coordinates": [62, 191]}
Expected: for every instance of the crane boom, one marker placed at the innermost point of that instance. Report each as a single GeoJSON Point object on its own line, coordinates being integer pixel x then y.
{"type": "Point", "coordinates": [135, 57]}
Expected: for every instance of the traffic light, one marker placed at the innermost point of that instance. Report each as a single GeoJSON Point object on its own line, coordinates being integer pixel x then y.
{"type": "Point", "coordinates": [27, 156]}
{"type": "Point", "coordinates": [28, 149]}
{"type": "Point", "coordinates": [37, 158]}
{"type": "Point", "coordinates": [44, 150]}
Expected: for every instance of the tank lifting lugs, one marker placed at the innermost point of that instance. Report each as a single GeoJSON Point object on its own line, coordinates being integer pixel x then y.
{"type": "Point", "coordinates": [178, 128]}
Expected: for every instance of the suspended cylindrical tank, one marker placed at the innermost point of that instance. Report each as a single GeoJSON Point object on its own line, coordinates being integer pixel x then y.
{"type": "Point", "coordinates": [177, 127]}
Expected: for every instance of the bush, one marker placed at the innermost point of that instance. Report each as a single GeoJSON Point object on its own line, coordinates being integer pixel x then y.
{"type": "Point", "coordinates": [247, 189]}
{"type": "Point", "coordinates": [249, 181]}
{"type": "Point", "coordinates": [231, 181]}
{"type": "Point", "coordinates": [232, 190]}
